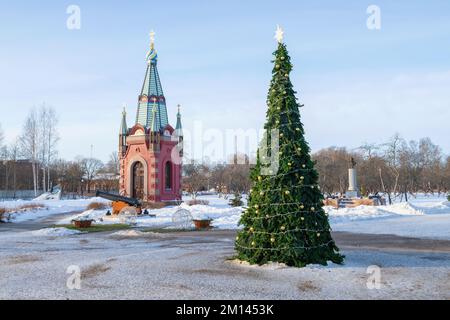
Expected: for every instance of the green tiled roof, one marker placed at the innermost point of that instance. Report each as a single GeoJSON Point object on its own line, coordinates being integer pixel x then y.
{"type": "Point", "coordinates": [152, 89]}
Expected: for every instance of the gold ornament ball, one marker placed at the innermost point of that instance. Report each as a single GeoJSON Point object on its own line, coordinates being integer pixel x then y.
{"type": "Point", "coordinates": [237, 238]}
{"type": "Point", "coordinates": [282, 58]}
{"type": "Point", "coordinates": [318, 235]}
{"type": "Point", "coordinates": [259, 178]}
{"type": "Point", "coordinates": [253, 243]}
{"type": "Point", "coordinates": [278, 66]}
{"type": "Point", "coordinates": [304, 166]}
{"type": "Point", "coordinates": [284, 92]}
{"type": "Point", "coordinates": [287, 192]}
{"type": "Point", "coordinates": [299, 149]}
{"type": "Point", "coordinates": [303, 218]}
{"type": "Point", "coordinates": [302, 178]}
{"type": "Point", "coordinates": [261, 193]}
{"type": "Point", "coordinates": [256, 206]}
{"type": "Point", "coordinates": [302, 207]}
{"type": "Point", "coordinates": [251, 229]}
{"type": "Point", "coordinates": [267, 216]}
{"type": "Point", "coordinates": [289, 164]}
{"type": "Point", "coordinates": [272, 239]}
{"type": "Point", "coordinates": [283, 228]}
{"type": "Point", "coordinates": [297, 129]}
{"type": "Point", "coordinates": [312, 209]}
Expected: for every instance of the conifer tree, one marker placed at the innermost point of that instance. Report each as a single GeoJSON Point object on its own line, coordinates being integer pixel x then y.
{"type": "Point", "coordinates": [284, 220]}
{"type": "Point", "coordinates": [237, 200]}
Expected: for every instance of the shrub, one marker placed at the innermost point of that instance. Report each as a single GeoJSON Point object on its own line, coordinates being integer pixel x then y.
{"type": "Point", "coordinates": [331, 203]}
{"type": "Point", "coordinates": [362, 202]}
{"type": "Point", "coordinates": [30, 206]}
{"type": "Point", "coordinates": [98, 206]}
{"type": "Point", "coordinates": [154, 205]}
{"type": "Point", "coordinates": [194, 202]}
{"type": "Point", "coordinates": [236, 201]}
{"type": "Point", "coordinates": [3, 212]}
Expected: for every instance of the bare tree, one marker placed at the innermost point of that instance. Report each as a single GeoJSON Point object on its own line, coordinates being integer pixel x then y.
{"type": "Point", "coordinates": [29, 144]}
{"type": "Point", "coordinates": [48, 139]}
{"type": "Point", "coordinates": [392, 156]}
{"type": "Point", "coordinates": [113, 164]}
{"type": "Point", "coordinates": [2, 136]}
{"type": "Point", "coordinates": [91, 168]}
{"type": "Point", "coordinates": [195, 178]}
{"type": "Point", "coordinates": [13, 157]}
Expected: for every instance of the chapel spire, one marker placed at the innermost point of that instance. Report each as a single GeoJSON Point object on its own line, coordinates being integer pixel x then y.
{"type": "Point", "coordinates": [123, 125]}
{"type": "Point", "coordinates": [152, 95]}
{"type": "Point", "coordinates": [179, 127]}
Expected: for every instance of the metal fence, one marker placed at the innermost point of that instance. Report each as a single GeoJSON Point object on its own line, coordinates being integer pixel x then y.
{"type": "Point", "coordinates": [18, 194]}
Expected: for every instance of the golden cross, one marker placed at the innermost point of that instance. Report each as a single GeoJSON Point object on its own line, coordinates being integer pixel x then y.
{"type": "Point", "coordinates": [152, 39]}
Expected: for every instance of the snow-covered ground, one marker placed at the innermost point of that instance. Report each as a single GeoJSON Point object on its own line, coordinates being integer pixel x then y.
{"type": "Point", "coordinates": [133, 264]}
{"type": "Point", "coordinates": [50, 207]}
{"type": "Point", "coordinates": [422, 217]}
{"type": "Point", "coordinates": [196, 265]}
{"type": "Point", "coordinates": [223, 215]}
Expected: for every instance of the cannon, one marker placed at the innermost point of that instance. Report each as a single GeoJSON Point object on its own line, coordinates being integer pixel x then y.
{"type": "Point", "coordinates": [121, 204]}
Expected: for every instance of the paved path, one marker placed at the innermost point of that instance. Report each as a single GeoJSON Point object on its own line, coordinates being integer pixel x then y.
{"type": "Point", "coordinates": [37, 223]}
{"type": "Point", "coordinates": [196, 265]}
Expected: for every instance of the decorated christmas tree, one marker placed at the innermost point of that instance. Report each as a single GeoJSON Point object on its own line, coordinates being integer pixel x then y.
{"type": "Point", "coordinates": [284, 220]}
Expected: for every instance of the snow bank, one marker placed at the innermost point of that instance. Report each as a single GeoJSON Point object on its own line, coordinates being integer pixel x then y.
{"type": "Point", "coordinates": [224, 216]}
{"type": "Point", "coordinates": [96, 215]}
{"type": "Point", "coordinates": [420, 217]}
{"type": "Point", "coordinates": [371, 212]}
{"type": "Point", "coordinates": [55, 232]}
{"type": "Point", "coordinates": [52, 207]}
{"type": "Point", "coordinates": [128, 233]}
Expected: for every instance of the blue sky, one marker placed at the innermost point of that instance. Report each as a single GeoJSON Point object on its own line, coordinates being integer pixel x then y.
{"type": "Point", "coordinates": [358, 85]}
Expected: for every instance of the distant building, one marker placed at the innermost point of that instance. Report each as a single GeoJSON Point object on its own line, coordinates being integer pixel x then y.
{"type": "Point", "coordinates": [150, 152]}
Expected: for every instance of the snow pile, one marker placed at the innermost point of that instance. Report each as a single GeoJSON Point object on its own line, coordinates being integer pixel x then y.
{"type": "Point", "coordinates": [128, 233]}
{"type": "Point", "coordinates": [55, 232]}
{"type": "Point", "coordinates": [371, 212]}
{"type": "Point", "coordinates": [52, 207]}
{"type": "Point", "coordinates": [224, 216]}
{"type": "Point", "coordinates": [96, 215]}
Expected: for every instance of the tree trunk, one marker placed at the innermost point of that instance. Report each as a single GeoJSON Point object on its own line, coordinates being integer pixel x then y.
{"type": "Point", "coordinates": [34, 178]}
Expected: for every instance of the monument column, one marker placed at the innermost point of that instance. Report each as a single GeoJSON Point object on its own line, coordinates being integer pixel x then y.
{"type": "Point", "coordinates": [353, 191]}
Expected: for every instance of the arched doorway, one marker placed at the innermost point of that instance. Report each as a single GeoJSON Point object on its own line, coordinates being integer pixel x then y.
{"type": "Point", "coordinates": [138, 181]}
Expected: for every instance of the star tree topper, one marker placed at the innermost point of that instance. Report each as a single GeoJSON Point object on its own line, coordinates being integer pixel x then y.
{"type": "Point", "coordinates": [279, 34]}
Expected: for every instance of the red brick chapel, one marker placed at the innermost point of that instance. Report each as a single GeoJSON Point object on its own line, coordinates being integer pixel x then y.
{"type": "Point", "coordinates": [150, 152]}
